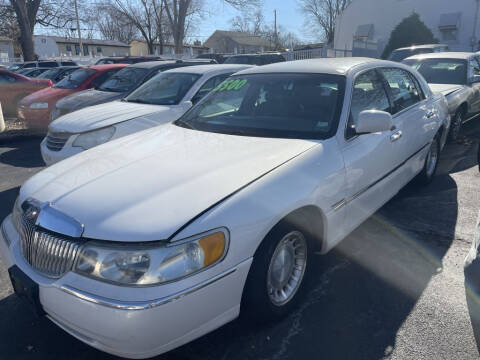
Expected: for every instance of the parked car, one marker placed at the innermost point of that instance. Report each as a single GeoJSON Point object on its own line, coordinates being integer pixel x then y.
{"type": "Point", "coordinates": [32, 72]}
{"type": "Point", "coordinates": [219, 58]}
{"type": "Point", "coordinates": [457, 76]}
{"type": "Point", "coordinates": [145, 243]}
{"type": "Point", "coordinates": [35, 109]}
{"type": "Point", "coordinates": [255, 59]}
{"type": "Point", "coordinates": [127, 59]}
{"type": "Point", "coordinates": [164, 98]}
{"type": "Point", "coordinates": [403, 53]}
{"type": "Point", "coordinates": [118, 86]}
{"type": "Point", "coordinates": [57, 74]}
{"type": "Point", "coordinates": [41, 63]}
{"type": "Point", "coordinates": [14, 87]}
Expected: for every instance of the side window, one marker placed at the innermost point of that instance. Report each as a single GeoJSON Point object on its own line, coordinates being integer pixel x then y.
{"type": "Point", "coordinates": [99, 80]}
{"type": "Point", "coordinates": [208, 86]}
{"type": "Point", "coordinates": [403, 90]}
{"type": "Point", "coordinates": [418, 86]}
{"type": "Point", "coordinates": [473, 67]}
{"type": "Point", "coordinates": [368, 94]}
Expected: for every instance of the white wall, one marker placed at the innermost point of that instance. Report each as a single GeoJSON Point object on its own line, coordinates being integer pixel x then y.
{"type": "Point", "coordinates": [45, 47]}
{"type": "Point", "coordinates": [386, 14]}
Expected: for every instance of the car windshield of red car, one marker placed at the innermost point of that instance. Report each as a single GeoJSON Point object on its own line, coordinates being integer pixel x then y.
{"type": "Point", "coordinates": [75, 79]}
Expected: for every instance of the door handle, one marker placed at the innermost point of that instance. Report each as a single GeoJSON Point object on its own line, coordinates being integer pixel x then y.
{"type": "Point", "coordinates": [394, 137]}
{"type": "Point", "coordinates": [430, 114]}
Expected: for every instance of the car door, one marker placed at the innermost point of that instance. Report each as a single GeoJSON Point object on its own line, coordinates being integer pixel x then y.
{"type": "Point", "coordinates": [370, 159]}
{"type": "Point", "coordinates": [414, 117]}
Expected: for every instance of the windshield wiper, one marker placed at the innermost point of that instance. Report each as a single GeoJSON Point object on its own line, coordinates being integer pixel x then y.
{"type": "Point", "coordinates": [184, 124]}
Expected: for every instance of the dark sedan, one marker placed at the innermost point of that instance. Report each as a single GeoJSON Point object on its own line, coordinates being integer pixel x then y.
{"type": "Point", "coordinates": [118, 86]}
{"type": "Point", "coordinates": [57, 74]}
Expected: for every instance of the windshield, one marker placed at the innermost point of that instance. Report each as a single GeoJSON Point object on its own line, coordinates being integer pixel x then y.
{"type": "Point", "coordinates": [399, 55]}
{"type": "Point", "coordinates": [75, 79]}
{"type": "Point", "coordinates": [164, 89]}
{"type": "Point", "coordinates": [124, 80]}
{"type": "Point", "coordinates": [14, 67]}
{"type": "Point", "coordinates": [51, 74]}
{"type": "Point", "coordinates": [249, 60]}
{"type": "Point", "coordinates": [304, 106]}
{"type": "Point", "coordinates": [442, 71]}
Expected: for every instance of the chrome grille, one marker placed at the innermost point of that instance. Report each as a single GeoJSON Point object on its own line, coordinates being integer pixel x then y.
{"type": "Point", "coordinates": [56, 141]}
{"type": "Point", "coordinates": [49, 254]}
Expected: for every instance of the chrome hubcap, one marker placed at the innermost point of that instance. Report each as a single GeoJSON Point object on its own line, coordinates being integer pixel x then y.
{"type": "Point", "coordinates": [432, 158]}
{"type": "Point", "coordinates": [287, 268]}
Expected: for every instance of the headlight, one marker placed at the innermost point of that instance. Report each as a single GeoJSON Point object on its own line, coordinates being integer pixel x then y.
{"type": "Point", "coordinates": [17, 215]}
{"type": "Point", "coordinates": [146, 265]}
{"type": "Point", "coordinates": [94, 138]}
{"type": "Point", "coordinates": [43, 105]}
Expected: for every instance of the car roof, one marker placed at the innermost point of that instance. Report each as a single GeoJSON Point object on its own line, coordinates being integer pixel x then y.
{"type": "Point", "coordinates": [152, 64]}
{"type": "Point", "coordinates": [425, 46]}
{"type": "Point", "coordinates": [443, 55]}
{"type": "Point", "coordinates": [211, 69]}
{"type": "Point", "coordinates": [257, 55]}
{"type": "Point", "coordinates": [104, 67]}
{"type": "Point", "coordinates": [335, 66]}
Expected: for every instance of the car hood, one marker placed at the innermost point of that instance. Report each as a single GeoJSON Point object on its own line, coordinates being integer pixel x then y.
{"type": "Point", "coordinates": [145, 186]}
{"type": "Point", "coordinates": [99, 116]}
{"type": "Point", "coordinates": [87, 98]}
{"type": "Point", "coordinates": [445, 89]}
{"type": "Point", "coordinates": [46, 95]}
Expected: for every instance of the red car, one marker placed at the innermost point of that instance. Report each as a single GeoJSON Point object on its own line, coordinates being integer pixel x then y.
{"type": "Point", "coordinates": [14, 87]}
{"type": "Point", "coordinates": [35, 109]}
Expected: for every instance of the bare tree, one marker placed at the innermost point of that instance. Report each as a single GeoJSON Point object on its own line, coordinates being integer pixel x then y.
{"type": "Point", "coordinates": [323, 14]}
{"type": "Point", "coordinates": [248, 22]}
{"type": "Point", "coordinates": [180, 12]}
{"type": "Point", "coordinates": [111, 23]}
{"type": "Point", "coordinates": [141, 13]}
{"type": "Point", "coordinates": [26, 14]}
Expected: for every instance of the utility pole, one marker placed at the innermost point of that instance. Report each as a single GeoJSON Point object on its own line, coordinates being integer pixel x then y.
{"type": "Point", "coordinates": [78, 28]}
{"type": "Point", "coordinates": [275, 28]}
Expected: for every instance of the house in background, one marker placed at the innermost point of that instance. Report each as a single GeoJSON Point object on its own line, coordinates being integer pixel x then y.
{"type": "Point", "coordinates": [140, 48]}
{"type": "Point", "coordinates": [361, 30]}
{"type": "Point", "coordinates": [6, 48]}
{"type": "Point", "coordinates": [233, 42]}
{"type": "Point", "coordinates": [54, 46]}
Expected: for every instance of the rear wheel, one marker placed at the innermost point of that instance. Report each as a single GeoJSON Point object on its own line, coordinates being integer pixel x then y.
{"type": "Point", "coordinates": [431, 162]}
{"type": "Point", "coordinates": [277, 277]}
{"type": "Point", "coordinates": [456, 125]}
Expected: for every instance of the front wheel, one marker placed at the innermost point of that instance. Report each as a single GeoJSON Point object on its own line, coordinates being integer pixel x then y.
{"type": "Point", "coordinates": [456, 126]}
{"type": "Point", "coordinates": [431, 162]}
{"type": "Point", "coordinates": [276, 281]}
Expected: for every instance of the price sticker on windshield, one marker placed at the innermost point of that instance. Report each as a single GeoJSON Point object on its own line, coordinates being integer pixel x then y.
{"type": "Point", "coordinates": [230, 85]}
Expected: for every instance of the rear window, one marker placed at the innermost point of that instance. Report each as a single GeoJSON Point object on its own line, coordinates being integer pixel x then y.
{"type": "Point", "coordinates": [68, 63]}
{"type": "Point", "coordinates": [124, 80]}
{"type": "Point", "coordinates": [443, 71]}
{"type": "Point", "coordinates": [249, 60]}
{"type": "Point", "coordinates": [75, 79]}
{"type": "Point", "coordinates": [399, 55]}
{"type": "Point", "coordinates": [48, 64]}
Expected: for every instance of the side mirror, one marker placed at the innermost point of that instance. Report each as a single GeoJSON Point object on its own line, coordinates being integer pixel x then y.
{"type": "Point", "coordinates": [187, 104]}
{"type": "Point", "coordinates": [474, 79]}
{"type": "Point", "coordinates": [373, 121]}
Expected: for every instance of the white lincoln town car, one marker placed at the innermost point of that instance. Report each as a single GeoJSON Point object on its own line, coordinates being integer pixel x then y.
{"type": "Point", "coordinates": [147, 242]}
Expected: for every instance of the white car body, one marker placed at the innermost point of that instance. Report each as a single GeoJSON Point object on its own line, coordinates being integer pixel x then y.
{"type": "Point", "coordinates": [171, 183]}
{"type": "Point", "coordinates": [126, 117]}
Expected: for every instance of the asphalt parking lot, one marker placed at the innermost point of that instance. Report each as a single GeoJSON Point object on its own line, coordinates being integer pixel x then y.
{"type": "Point", "coordinates": [393, 289]}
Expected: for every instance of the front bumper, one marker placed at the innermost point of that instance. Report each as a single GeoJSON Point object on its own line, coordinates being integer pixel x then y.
{"type": "Point", "coordinates": [51, 157]}
{"type": "Point", "coordinates": [180, 313]}
{"type": "Point", "coordinates": [34, 118]}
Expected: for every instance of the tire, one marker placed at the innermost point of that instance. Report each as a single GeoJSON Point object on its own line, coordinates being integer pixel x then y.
{"type": "Point", "coordinates": [262, 301]}
{"type": "Point", "coordinates": [456, 125]}
{"type": "Point", "coordinates": [431, 162]}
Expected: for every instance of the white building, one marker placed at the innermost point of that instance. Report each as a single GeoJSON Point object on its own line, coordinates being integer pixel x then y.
{"type": "Point", "coordinates": [364, 27]}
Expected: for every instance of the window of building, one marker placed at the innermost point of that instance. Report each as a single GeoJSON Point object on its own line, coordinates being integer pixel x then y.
{"type": "Point", "coordinates": [85, 50]}
{"type": "Point", "coordinates": [77, 49]}
{"type": "Point", "coordinates": [44, 41]}
{"type": "Point", "coordinates": [99, 50]}
{"type": "Point", "coordinates": [69, 48]}
{"type": "Point", "coordinates": [448, 26]}
{"type": "Point", "coordinates": [449, 34]}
